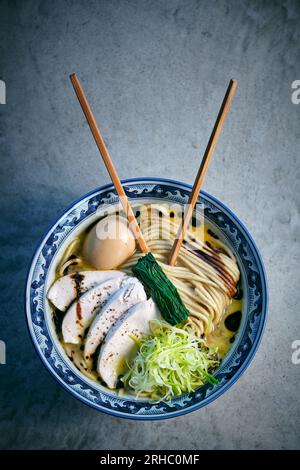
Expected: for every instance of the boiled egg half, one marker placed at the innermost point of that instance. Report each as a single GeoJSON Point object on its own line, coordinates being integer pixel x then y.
{"type": "Point", "coordinates": [109, 243]}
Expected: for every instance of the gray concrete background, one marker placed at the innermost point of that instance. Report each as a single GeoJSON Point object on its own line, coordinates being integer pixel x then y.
{"type": "Point", "coordinates": [155, 73]}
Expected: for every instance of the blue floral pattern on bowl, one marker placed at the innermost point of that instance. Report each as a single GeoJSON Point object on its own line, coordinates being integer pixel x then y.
{"type": "Point", "coordinates": [247, 340]}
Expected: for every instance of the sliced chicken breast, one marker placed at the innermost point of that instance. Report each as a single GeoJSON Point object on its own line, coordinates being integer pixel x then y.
{"type": "Point", "coordinates": [81, 313]}
{"type": "Point", "coordinates": [119, 346]}
{"type": "Point", "coordinates": [119, 303]}
{"type": "Point", "coordinates": [66, 289]}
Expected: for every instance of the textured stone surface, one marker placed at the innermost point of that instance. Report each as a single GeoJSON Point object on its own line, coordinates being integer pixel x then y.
{"type": "Point", "coordinates": [155, 73]}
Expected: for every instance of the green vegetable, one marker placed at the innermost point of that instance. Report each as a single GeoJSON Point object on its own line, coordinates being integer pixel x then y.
{"type": "Point", "coordinates": [161, 289]}
{"type": "Point", "coordinates": [170, 361]}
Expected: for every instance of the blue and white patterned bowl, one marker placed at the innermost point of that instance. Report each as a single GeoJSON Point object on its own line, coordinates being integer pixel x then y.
{"type": "Point", "coordinates": [41, 275]}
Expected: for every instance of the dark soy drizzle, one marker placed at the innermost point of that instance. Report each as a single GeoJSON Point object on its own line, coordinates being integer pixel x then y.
{"type": "Point", "coordinates": [78, 278]}
{"type": "Point", "coordinates": [195, 222]}
{"type": "Point", "coordinates": [120, 384]}
{"type": "Point", "coordinates": [66, 270]}
{"type": "Point", "coordinates": [215, 261]}
{"type": "Point", "coordinates": [239, 292]}
{"type": "Point", "coordinates": [233, 321]}
{"type": "Point", "coordinates": [58, 317]}
{"type": "Point", "coordinates": [95, 356]}
{"type": "Point", "coordinates": [212, 234]}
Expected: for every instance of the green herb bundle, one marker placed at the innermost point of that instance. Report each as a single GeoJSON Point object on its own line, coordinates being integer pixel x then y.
{"type": "Point", "coordinates": [161, 289]}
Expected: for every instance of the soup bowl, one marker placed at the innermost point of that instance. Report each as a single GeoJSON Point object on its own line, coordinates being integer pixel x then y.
{"type": "Point", "coordinates": [82, 213]}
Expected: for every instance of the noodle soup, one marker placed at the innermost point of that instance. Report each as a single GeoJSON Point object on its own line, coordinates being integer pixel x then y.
{"type": "Point", "coordinates": [206, 278]}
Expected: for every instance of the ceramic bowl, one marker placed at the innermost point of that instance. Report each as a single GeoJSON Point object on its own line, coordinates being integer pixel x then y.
{"type": "Point", "coordinates": [41, 274]}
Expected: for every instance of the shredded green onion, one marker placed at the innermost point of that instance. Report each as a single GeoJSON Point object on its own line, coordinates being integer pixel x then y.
{"type": "Point", "coordinates": [170, 361]}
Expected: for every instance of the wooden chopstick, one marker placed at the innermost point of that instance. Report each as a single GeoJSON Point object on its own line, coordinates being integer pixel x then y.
{"type": "Point", "coordinates": [108, 162]}
{"type": "Point", "coordinates": [202, 171]}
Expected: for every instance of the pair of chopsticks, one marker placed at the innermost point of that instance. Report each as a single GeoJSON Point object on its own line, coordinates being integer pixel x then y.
{"type": "Point", "coordinates": [116, 180]}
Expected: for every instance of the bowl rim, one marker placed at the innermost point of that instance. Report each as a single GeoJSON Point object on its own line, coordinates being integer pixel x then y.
{"type": "Point", "coordinates": [200, 404]}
